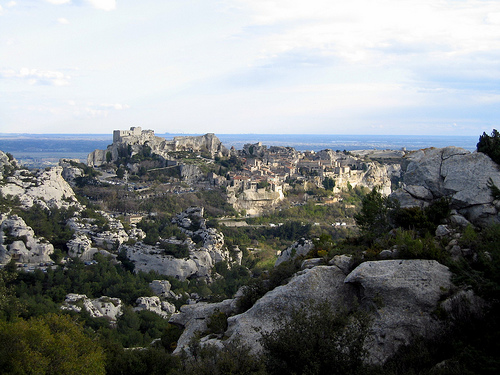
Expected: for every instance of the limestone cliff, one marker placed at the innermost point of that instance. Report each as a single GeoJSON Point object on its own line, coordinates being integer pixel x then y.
{"type": "Point", "coordinates": [401, 297]}
{"type": "Point", "coordinates": [452, 173]}
{"type": "Point", "coordinates": [130, 142]}
{"type": "Point", "coordinates": [18, 242]}
{"type": "Point", "coordinates": [254, 201]}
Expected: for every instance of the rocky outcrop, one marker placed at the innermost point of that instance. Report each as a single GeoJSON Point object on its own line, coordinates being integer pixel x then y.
{"type": "Point", "coordinates": [46, 188]}
{"type": "Point", "coordinates": [194, 319]}
{"type": "Point", "coordinates": [154, 304]}
{"type": "Point", "coordinates": [254, 201]}
{"type": "Point", "coordinates": [452, 173]}
{"type": "Point", "coordinates": [299, 248]}
{"type": "Point", "coordinates": [18, 242]}
{"type": "Point", "coordinates": [131, 142]}
{"type": "Point", "coordinates": [89, 235]}
{"type": "Point", "coordinates": [7, 165]}
{"type": "Point", "coordinates": [102, 307]}
{"type": "Point", "coordinates": [208, 249]}
{"type": "Point", "coordinates": [70, 171]}
{"type": "Point", "coordinates": [400, 297]}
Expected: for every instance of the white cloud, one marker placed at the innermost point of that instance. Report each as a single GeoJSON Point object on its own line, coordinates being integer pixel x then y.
{"type": "Point", "coordinates": [38, 77]}
{"type": "Point", "coordinates": [103, 4]}
{"type": "Point", "coordinates": [365, 31]}
{"type": "Point", "coordinates": [63, 21]}
{"type": "Point", "coordinates": [58, 2]}
{"type": "Point", "coordinates": [11, 4]}
{"type": "Point", "coordinates": [98, 4]}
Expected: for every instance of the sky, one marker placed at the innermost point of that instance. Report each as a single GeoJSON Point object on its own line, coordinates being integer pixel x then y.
{"type": "Point", "coordinates": [415, 67]}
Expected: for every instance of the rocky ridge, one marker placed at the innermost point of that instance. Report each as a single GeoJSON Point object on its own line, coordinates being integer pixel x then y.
{"type": "Point", "coordinates": [399, 295]}
{"type": "Point", "coordinates": [201, 258]}
{"type": "Point", "coordinates": [453, 173]}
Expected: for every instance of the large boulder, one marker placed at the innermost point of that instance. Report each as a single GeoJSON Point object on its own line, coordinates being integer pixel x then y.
{"type": "Point", "coordinates": [453, 173]}
{"type": "Point", "coordinates": [46, 188]}
{"type": "Point", "coordinates": [102, 307]}
{"type": "Point", "coordinates": [298, 248]}
{"type": "Point", "coordinates": [402, 296]}
{"type": "Point", "coordinates": [18, 242]}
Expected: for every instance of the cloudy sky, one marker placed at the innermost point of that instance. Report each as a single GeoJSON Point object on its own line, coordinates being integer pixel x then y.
{"type": "Point", "coordinates": [250, 66]}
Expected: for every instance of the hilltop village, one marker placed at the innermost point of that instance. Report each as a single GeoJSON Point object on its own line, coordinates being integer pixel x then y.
{"type": "Point", "coordinates": [255, 178]}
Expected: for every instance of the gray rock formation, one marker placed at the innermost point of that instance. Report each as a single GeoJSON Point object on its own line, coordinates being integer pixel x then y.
{"type": "Point", "coordinates": [46, 188]}
{"type": "Point", "coordinates": [399, 295]}
{"type": "Point", "coordinates": [301, 247]}
{"type": "Point", "coordinates": [18, 242]}
{"type": "Point", "coordinates": [453, 173]}
{"type": "Point", "coordinates": [132, 141]}
{"type": "Point", "coordinates": [70, 172]}
{"type": "Point", "coordinates": [202, 256]}
{"type": "Point", "coordinates": [194, 319]}
{"type": "Point", "coordinates": [154, 304]}
{"type": "Point", "coordinates": [102, 307]}
{"type": "Point", "coordinates": [403, 294]}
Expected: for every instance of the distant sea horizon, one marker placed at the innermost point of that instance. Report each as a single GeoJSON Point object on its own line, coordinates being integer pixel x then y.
{"type": "Point", "coordinates": [46, 149]}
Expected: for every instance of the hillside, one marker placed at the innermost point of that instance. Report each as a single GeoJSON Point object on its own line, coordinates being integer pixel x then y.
{"type": "Point", "coordinates": [360, 266]}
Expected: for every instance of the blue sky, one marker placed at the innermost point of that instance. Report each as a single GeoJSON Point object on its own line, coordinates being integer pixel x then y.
{"type": "Point", "coordinates": [250, 66]}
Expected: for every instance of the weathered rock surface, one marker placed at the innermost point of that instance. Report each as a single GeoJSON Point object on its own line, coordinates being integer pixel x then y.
{"type": "Point", "coordinates": [135, 139]}
{"type": "Point", "coordinates": [254, 201]}
{"type": "Point", "coordinates": [154, 304]}
{"type": "Point", "coordinates": [399, 295]}
{"type": "Point", "coordinates": [194, 319]}
{"type": "Point", "coordinates": [301, 247]}
{"type": "Point", "coordinates": [403, 294]}
{"type": "Point", "coordinates": [102, 307]}
{"type": "Point", "coordinates": [18, 242]}
{"type": "Point", "coordinates": [70, 172]}
{"type": "Point", "coordinates": [202, 256]}
{"type": "Point", "coordinates": [453, 173]}
{"type": "Point", "coordinates": [46, 187]}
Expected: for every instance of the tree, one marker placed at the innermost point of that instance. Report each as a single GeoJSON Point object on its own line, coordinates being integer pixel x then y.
{"type": "Point", "coordinates": [328, 183]}
{"type": "Point", "coordinates": [52, 344]}
{"type": "Point", "coordinates": [373, 219]}
{"type": "Point", "coordinates": [490, 145]}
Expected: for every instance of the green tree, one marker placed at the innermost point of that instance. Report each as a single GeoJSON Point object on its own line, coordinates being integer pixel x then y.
{"type": "Point", "coordinates": [328, 183]}
{"type": "Point", "coordinates": [373, 218]}
{"type": "Point", "coordinates": [52, 344]}
{"type": "Point", "coordinates": [490, 145]}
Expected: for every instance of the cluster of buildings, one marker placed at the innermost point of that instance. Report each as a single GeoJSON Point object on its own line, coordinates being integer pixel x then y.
{"type": "Point", "coordinates": [275, 168]}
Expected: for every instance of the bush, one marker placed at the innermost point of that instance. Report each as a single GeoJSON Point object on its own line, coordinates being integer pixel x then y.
{"type": "Point", "coordinates": [316, 339]}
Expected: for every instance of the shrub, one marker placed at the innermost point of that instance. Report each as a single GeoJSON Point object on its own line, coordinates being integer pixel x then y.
{"type": "Point", "coordinates": [316, 339]}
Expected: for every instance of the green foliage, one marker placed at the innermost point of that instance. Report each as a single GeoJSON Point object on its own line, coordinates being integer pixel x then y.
{"type": "Point", "coordinates": [410, 245]}
{"type": "Point", "coordinates": [177, 251]}
{"type": "Point", "coordinates": [217, 323]}
{"type": "Point", "coordinates": [328, 183]}
{"type": "Point", "coordinates": [495, 191]}
{"type": "Point", "coordinates": [142, 361]}
{"type": "Point", "coordinates": [170, 337]}
{"type": "Point", "coordinates": [490, 145]}
{"type": "Point", "coordinates": [233, 359]}
{"type": "Point", "coordinates": [51, 344]}
{"type": "Point", "coordinates": [373, 218]}
{"type": "Point", "coordinates": [316, 340]}
{"type": "Point", "coordinates": [50, 224]}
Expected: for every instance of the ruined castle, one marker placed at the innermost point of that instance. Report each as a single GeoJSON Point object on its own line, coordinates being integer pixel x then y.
{"type": "Point", "coordinates": [136, 138]}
